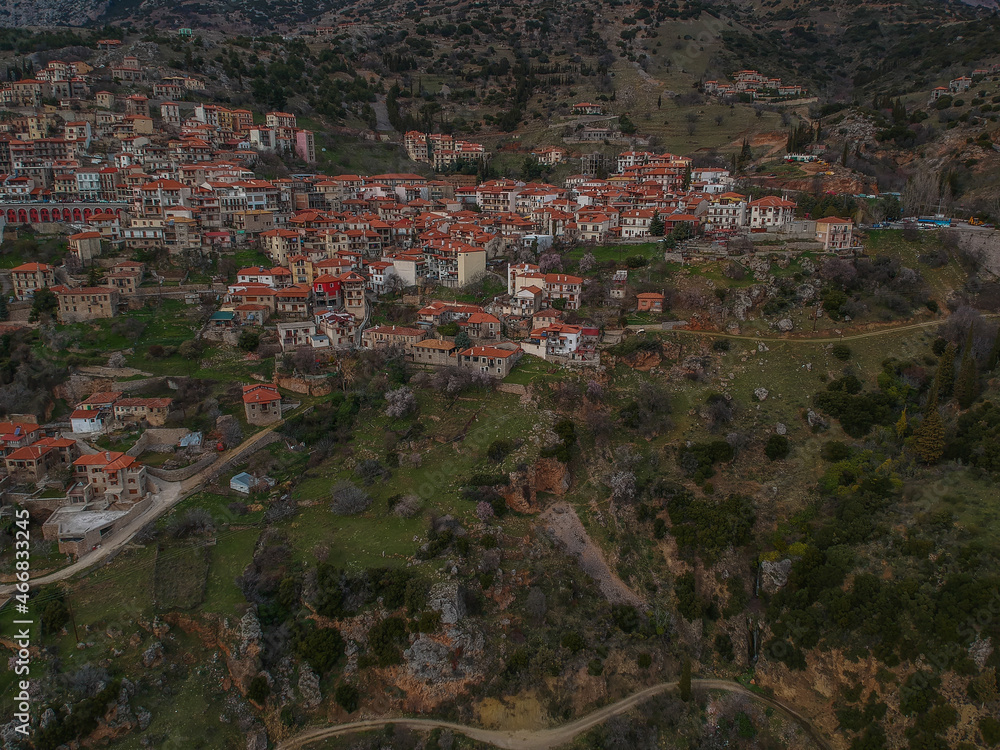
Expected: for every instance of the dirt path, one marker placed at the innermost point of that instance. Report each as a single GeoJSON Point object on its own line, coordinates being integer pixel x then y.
{"type": "Point", "coordinates": [563, 525]}
{"type": "Point", "coordinates": [815, 339]}
{"type": "Point", "coordinates": [381, 114]}
{"type": "Point", "coordinates": [545, 739]}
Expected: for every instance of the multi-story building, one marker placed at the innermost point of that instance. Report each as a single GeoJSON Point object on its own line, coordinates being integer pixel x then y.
{"type": "Point", "coordinates": [29, 277]}
{"type": "Point", "coordinates": [85, 303]}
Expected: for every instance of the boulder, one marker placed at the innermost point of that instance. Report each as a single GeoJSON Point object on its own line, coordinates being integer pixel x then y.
{"type": "Point", "coordinates": [774, 575]}
{"type": "Point", "coordinates": [815, 420]}
{"type": "Point", "coordinates": [785, 325]}
{"type": "Point", "coordinates": [152, 655]}
{"type": "Point", "coordinates": [760, 393]}
{"type": "Point", "coordinates": [780, 428]}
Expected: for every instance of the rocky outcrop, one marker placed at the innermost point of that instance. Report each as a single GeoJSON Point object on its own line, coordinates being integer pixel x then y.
{"type": "Point", "coordinates": [240, 642]}
{"type": "Point", "coordinates": [546, 475]}
{"type": "Point", "coordinates": [448, 599]}
{"type": "Point", "coordinates": [309, 688]}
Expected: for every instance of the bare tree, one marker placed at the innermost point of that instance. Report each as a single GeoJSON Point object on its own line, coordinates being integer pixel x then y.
{"type": "Point", "coordinates": [349, 499]}
{"type": "Point", "coordinates": [400, 402]}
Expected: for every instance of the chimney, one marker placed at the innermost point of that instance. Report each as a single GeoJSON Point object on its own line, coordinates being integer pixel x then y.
{"type": "Point", "coordinates": [107, 456]}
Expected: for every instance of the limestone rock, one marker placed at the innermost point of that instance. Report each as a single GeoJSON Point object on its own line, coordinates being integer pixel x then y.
{"type": "Point", "coordinates": [144, 717]}
{"type": "Point", "coordinates": [760, 393]}
{"type": "Point", "coordinates": [257, 738]}
{"type": "Point", "coordinates": [152, 655]}
{"type": "Point", "coordinates": [780, 428]}
{"type": "Point", "coordinates": [309, 687]}
{"type": "Point", "coordinates": [448, 599]}
{"type": "Point", "coordinates": [980, 651]}
{"type": "Point", "coordinates": [774, 575]}
{"type": "Point", "coordinates": [815, 420]}
{"type": "Point", "coordinates": [785, 325]}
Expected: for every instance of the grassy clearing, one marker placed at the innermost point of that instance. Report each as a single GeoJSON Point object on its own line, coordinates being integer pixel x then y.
{"type": "Point", "coordinates": [939, 280]}
{"type": "Point", "coordinates": [378, 537]}
{"type": "Point", "coordinates": [532, 370]}
{"type": "Point", "coordinates": [180, 575]}
{"type": "Point", "coordinates": [230, 556]}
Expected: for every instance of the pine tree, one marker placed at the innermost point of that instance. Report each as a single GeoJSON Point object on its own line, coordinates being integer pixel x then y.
{"type": "Point", "coordinates": [967, 384]}
{"type": "Point", "coordinates": [659, 101]}
{"type": "Point", "coordinates": [946, 372]}
{"type": "Point", "coordinates": [843, 156]}
{"type": "Point", "coordinates": [684, 685]}
{"type": "Point", "coordinates": [929, 436]}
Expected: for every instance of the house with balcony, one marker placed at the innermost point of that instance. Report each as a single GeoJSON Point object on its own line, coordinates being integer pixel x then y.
{"type": "Point", "coordinates": [29, 277]}
{"type": "Point", "coordinates": [261, 404]}
{"type": "Point", "coordinates": [834, 233]}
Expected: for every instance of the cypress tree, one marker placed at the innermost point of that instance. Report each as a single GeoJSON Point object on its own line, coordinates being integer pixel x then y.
{"type": "Point", "coordinates": [656, 226]}
{"type": "Point", "coordinates": [946, 372]}
{"type": "Point", "coordinates": [684, 684]}
{"type": "Point", "coordinates": [994, 359]}
{"type": "Point", "coordinates": [967, 385]}
{"type": "Point", "coordinates": [929, 436]}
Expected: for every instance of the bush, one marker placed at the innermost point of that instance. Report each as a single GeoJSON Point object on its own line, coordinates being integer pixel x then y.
{"type": "Point", "coordinates": [834, 450]}
{"type": "Point", "coordinates": [347, 697]}
{"type": "Point", "coordinates": [636, 261]}
{"type": "Point", "coordinates": [321, 647]}
{"type": "Point", "coordinates": [349, 499]}
{"type": "Point", "coordinates": [258, 689]}
{"type": "Point", "coordinates": [990, 728]}
{"type": "Point", "coordinates": [644, 660]}
{"type": "Point", "coordinates": [841, 352]}
{"type": "Point", "coordinates": [777, 447]}
{"type": "Point", "coordinates": [573, 641]}
{"type": "Point", "coordinates": [249, 341]}
{"type": "Point", "coordinates": [722, 345]}
{"type": "Point", "coordinates": [499, 450]}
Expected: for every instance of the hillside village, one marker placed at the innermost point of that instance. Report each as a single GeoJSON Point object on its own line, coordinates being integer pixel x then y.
{"type": "Point", "coordinates": [492, 446]}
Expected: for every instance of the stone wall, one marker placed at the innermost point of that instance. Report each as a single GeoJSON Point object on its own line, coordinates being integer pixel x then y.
{"type": "Point", "coordinates": [515, 388]}
{"type": "Point", "coordinates": [179, 475]}
{"type": "Point", "coordinates": [222, 466]}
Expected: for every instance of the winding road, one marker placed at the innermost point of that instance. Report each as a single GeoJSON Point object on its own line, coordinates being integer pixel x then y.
{"type": "Point", "coordinates": [807, 339]}
{"type": "Point", "coordinates": [545, 739]}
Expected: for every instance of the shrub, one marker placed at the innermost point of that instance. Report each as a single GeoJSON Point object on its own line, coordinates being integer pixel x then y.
{"type": "Point", "coordinates": [573, 641]}
{"type": "Point", "coordinates": [722, 345]}
{"type": "Point", "coordinates": [834, 450]}
{"type": "Point", "coordinates": [349, 499]}
{"type": "Point", "coordinates": [347, 697]}
{"type": "Point", "coordinates": [841, 352]}
{"type": "Point", "coordinates": [595, 668]}
{"type": "Point", "coordinates": [258, 689]}
{"type": "Point", "coordinates": [249, 341]}
{"type": "Point", "coordinates": [777, 447]}
{"type": "Point", "coordinates": [321, 647]}
{"type": "Point", "coordinates": [990, 728]}
{"type": "Point", "coordinates": [644, 660]}
{"type": "Point", "coordinates": [384, 641]}
{"type": "Point", "coordinates": [499, 450]}
{"type": "Point", "coordinates": [636, 261]}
